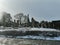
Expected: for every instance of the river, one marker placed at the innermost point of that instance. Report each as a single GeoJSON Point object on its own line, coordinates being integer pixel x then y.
{"type": "Point", "coordinates": [27, 41]}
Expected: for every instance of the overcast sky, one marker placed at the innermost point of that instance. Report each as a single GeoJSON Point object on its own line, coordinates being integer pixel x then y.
{"type": "Point", "coordinates": [39, 9]}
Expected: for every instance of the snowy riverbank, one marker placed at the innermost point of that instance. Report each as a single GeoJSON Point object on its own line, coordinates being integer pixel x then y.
{"type": "Point", "coordinates": [28, 29]}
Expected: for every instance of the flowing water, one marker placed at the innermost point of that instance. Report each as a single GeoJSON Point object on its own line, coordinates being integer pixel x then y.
{"type": "Point", "coordinates": [28, 40]}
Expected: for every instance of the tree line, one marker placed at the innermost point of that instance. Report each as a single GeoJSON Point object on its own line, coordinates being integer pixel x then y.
{"type": "Point", "coordinates": [6, 21]}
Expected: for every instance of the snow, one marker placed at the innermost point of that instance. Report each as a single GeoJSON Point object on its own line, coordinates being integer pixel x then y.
{"type": "Point", "coordinates": [12, 29]}
{"type": "Point", "coordinates": [29, 29]}
{"type": "Point", "coordinates": [44, 29]}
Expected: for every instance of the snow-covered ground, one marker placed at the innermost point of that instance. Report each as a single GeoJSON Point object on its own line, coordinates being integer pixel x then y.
{"type": "Point", "coordinates": [44, 29]}
{"type": "Point", "coordinates": [29, 29]}
{"type": "Point", "coordinates": [13, 29]}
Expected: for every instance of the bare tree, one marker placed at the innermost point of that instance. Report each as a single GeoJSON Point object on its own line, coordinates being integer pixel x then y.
{"type": "Point", "coordinates": [6, 18]}
{"type": "Point", "coordinates": [18, 16]}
